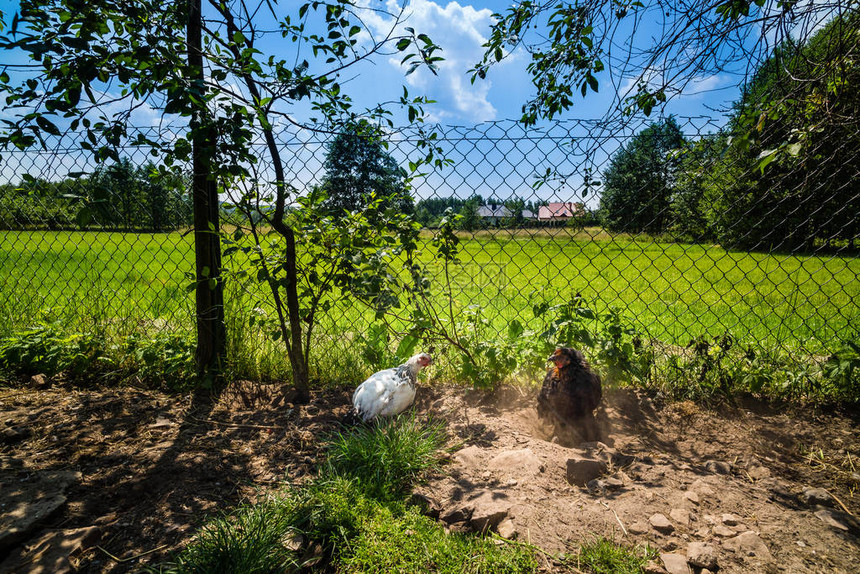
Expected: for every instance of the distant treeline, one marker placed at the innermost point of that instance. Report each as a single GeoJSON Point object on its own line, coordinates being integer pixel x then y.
{"type": "Point", "coordinates": [119, 197]}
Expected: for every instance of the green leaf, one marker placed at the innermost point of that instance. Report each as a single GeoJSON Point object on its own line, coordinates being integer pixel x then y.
{"type": "Point", "coordinates": [47, 125]}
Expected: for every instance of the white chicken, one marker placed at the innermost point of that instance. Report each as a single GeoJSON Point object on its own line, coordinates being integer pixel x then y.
{"type": "Point", "coordinates": [389, 392]}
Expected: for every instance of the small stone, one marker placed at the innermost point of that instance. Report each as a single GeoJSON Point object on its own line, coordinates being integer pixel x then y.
{"type": "Point", "coordinates": [468, 456]}
{"type": "Point", "coordinates": [832, 519]}
{"type": "Point", "coordinates": [613, 483]}
{"type": "Point", "coordinates": [39, 381]}
{"type": "Point", "coordinates": [731, 519]}
{"type": "Point", "coordinates": [817, 496]}
{"type": "Point", "coordinates": [723, 531]}
{"type": "Point", "coordinates": [718, 467]}
{"type": "Point", "coordinates": [661, 524]}
{"type": "Point", "coordinates": [653, 567]}
{"type": "Point", "coordinates": [702, 555]}
{"type": "Point", "coordinates": [675, 563]}
{"type": "Point", "coordinates": [489, 509]}
{"type": "Point", "coordinates": [680, 516]}
{"type": "Point", "coordinates": [692, 496]}
{"type": "Point", "coordinates": [506, 529]}
{"type": "Point", "coordinates": [748, 544]}
{"type": "Point", "coordinates": [703, 532]}
{"type": "Point", "coordinates": [637, 528]}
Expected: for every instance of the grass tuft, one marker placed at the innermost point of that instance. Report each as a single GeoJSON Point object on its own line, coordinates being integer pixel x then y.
{"type": "Point", "coordinates": [605, 556]}
{"type": "Point", "coordinates": [386, 458]}
{"type": "Point", "coordinates": [251, 541]}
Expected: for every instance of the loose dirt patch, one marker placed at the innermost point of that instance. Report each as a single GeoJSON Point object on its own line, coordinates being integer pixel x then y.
{"type": "Point", "coordinates": [154, 467]}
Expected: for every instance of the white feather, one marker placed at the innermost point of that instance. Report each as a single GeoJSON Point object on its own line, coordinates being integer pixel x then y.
{"type": "Point", "coordinates": [389, 392]}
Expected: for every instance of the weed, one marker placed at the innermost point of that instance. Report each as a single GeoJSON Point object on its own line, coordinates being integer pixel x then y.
{"type": "Point", "coordinates": [45, 349]}
{"type": "Point", "coordinates": [166, 359]}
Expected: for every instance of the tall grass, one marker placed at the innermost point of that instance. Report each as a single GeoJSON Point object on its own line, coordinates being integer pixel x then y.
{"type": "Point", "coordinates": [117, 284]}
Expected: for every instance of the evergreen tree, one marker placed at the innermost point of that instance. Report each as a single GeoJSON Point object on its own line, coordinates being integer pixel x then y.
{"type": "Point", "coordinates": [359, 168]}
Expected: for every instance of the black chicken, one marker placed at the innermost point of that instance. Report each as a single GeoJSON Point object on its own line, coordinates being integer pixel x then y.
{"type": "Point", "coordinates": [570, 393]}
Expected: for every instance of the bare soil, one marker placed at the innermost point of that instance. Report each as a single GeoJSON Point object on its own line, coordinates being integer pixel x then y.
{"type": "Point", "coordinates": [154, 467]}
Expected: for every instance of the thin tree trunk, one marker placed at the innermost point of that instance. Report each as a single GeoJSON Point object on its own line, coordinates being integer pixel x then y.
{"type": "Point", "coordinates": [211, 335]}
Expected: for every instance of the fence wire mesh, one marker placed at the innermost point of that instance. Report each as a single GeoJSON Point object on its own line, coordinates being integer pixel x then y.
{"type": "Point", "coordinates": [666, 221]}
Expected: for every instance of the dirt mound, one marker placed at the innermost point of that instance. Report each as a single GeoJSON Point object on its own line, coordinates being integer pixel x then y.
{"type": "Point", "coordinates": [736, 483]}
{"type": "Point", "coordinates": [759, 490]}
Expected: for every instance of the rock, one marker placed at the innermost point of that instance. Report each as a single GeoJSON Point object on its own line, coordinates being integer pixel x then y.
{"type": "Point", "coordinates": [293, 541]}
{"type": "Point", "coordinates": [653, 567]}
{"type": "Point", "coordinates": [702, 555]}
{"type": "Point", "coordinates": [680, 516]}
{"type": "Point", "coordinates": [723, 531]}
{"type": "Point", "coordinates": [24, 506]}
{"type": "Point", "coordinates": [523, 462]}
{"type": "Point", "coordinates": [675, 563]}
{"type": "Point", "coordinates": [40, 381]}
{"type": "Point", "coordinates": [816, 496]}
{"type": "Point", "coordinates": [603, 485]}
{"type": "Point", "coordinates": [506, 529]}
{"type": "Point", "coordinates": [489, 509]}
{"type": "Point", "coordinates": [637, 528]}
{"type": "Point", "coordinates": [692, 496]}
{"type": "Point", "coordinates": [482, 512]}
{"type": "Point", "coordinates": [51, 553]}
{"type": "Point", "coordinates": [456, 515]}
{"type": "Point", "coordinates": [582, 470]}
{"type": "Point", "coordinates": [748, 544]}
{"type": "Point", "coordinates": [701, 487]}
{"type": "Point", "coordinates": [838, 520]}
{"type": "Point", "coordinates": [468, 456]}
{"type": "Point", "coordinates": [661, 524]}
{"type": "Point", "coordinates": [429, 506]}
{"type": "Point", "coordinates": [731, 519]}
{"type": "Point", "coordinates": [718, 467]}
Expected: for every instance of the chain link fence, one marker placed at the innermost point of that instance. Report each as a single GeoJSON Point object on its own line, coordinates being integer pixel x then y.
{"type": "Point", "coordinates": [687, 236]}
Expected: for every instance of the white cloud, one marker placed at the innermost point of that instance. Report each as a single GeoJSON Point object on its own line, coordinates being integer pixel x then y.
{"type": "Point", "coordinates": [459, 30]}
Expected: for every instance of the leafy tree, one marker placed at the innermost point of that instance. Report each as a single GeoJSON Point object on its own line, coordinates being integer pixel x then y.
{"type": "Point", "coordinates": [638, 184]}
{"type": "Point", "coordinates": [568, 44]}
{"type": "Point", "coordinates": [96, 57]}
{"type": "Point", "coordinates": [795, 152]}
{"type": "Point", "coordinates": [702, 176]}
{"type": "Point", "coordinates": [358, 169]}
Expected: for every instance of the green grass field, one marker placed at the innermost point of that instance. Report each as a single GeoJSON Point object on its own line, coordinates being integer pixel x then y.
{"type": "Point", "coordinates": [123, 283]}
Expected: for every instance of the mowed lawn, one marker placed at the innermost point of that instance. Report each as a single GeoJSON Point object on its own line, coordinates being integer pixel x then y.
{"type": "Point", "coordinates": [671, 291]}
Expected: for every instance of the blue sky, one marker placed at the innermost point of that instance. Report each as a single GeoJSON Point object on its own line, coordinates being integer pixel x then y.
{"type": "Point", "coordinates": [460, 29]}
